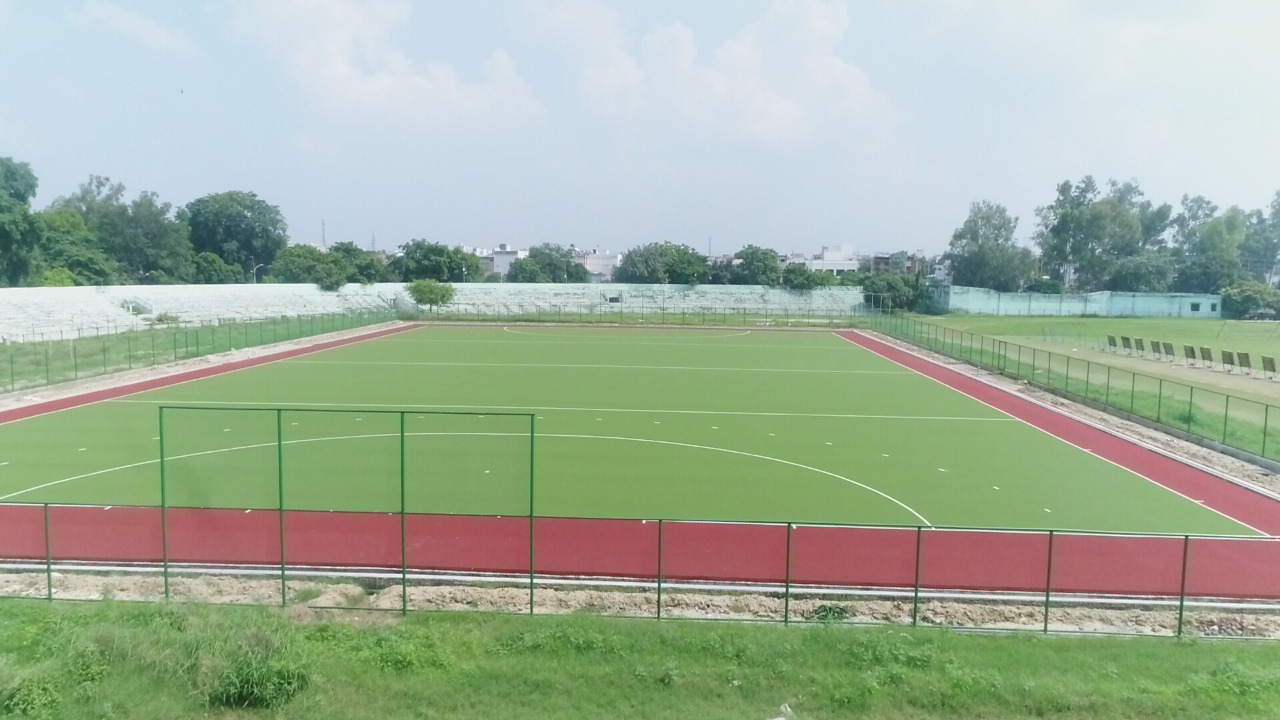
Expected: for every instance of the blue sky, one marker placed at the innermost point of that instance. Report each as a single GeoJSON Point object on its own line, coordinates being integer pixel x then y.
{"type": "Point", "coordinates": [609, 123]}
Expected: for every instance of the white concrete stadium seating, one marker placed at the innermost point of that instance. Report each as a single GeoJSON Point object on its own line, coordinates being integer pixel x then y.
{"type": "Point", "coordinates": [55, 313]}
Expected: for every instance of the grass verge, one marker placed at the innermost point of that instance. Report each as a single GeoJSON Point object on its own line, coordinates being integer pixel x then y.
{"type": "Point", "coordinates": [144, 661]}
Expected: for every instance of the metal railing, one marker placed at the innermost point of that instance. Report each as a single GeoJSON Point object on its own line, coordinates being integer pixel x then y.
{"type": "Point", "coordinates": [24, 366]}
{"type": "Point", "coordinates": [630, 314]}
{"type": "Point", "coordinates": [996, 579]}
{"type": "Point", "coordinates": [1230, 420]}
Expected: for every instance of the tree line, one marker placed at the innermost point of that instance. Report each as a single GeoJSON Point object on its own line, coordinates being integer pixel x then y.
{"type": "Point", "coordinates": [1113, 237]}
{"type": "Point", "coordinates": [98, 235]}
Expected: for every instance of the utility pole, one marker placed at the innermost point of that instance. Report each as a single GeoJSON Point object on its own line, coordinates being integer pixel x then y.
{"type": "Point", "coordinates": [324, 242]}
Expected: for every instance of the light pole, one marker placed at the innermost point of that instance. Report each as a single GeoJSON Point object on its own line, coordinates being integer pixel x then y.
{"type": "Point", "coordinates": [254, 272]}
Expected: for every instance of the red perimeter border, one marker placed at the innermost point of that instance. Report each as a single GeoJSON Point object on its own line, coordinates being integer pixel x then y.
{"type": "Point", "coordinates": [1239, 503]}
{"type": "Point", "coordinates": [73, 401]}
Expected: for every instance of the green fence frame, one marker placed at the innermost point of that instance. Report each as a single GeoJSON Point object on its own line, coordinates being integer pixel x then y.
{"type": "Point", "coordinates": [31, 365]}
{"type": "Point", "coordinates": [280, 478]}
{"type": "Point", "coordinates": [1229, 420]}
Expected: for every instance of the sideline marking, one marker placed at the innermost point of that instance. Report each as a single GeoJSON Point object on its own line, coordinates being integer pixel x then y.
{"type": "Point", "coordinates": [615, 340]}
{"type": "Point", "coordinates": [571, 409]}
{"type": "Point", "coordinates": [586, 365]}
{"type": "Point", "coordinates": [639, 334]}
{"type": "Point", "coordinates": [1029, 424]}
{"type": "Point", "coordinates": [820, 471]}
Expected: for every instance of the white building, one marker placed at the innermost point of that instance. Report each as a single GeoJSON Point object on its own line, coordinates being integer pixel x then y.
{"type": "Point", "coordinates": [600, 264]}
{"type": "Point", "coordinates": [837, 260]}
{"type": "Point", "coordinates": [499, 261]}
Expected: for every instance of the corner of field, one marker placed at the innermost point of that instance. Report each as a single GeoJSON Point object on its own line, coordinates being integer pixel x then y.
{"type": "Point", "coordinates": [111, 393]}
{"type": "Point", "coordinates": [1216, 491]}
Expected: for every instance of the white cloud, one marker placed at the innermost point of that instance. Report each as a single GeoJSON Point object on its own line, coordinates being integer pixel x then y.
{"type": "Point", "coordinates": [343, 56]}
{"type": "Point", "coordinates": [147, 31]}
{"type": "Point", "coordinates": [780, 81]}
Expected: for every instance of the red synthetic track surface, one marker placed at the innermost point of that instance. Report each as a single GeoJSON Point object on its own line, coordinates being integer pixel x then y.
{"type": "Point", "coordinates": [818, 555]}
{"type": "Point", "coordinates": [802, 555]}
{"type": "Point", "coordinates": [111, 393]}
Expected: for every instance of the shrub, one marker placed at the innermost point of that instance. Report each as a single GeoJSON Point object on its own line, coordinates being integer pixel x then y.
{"type": "Point", "coordinates": [256, 680]}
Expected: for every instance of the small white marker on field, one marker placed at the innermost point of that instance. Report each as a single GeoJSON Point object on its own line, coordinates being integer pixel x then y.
{"type": "Point", "coordinates": [108, 507]}
{"type": "Point", "coordinates": [942, 469]}
{"type": "Point", "coordinates": [486, 472]}
{"type": "Point", "coordinates": [884, 454]}
{"type": "Point", "coordinates": [82, 449]}
{"type": "Point", "coordinates": [156, 438]}
{"type": "Point", "coordinates": [1047, 510]}
{"type": "Point", "coordinates": [656, 422]}
{"type": "Point", "coordinates": [715, 427]}
{"type": "Point", "coordinates": [246, 512]}
{"type": "Point", "coordinates": [293, 423]}
{"type": "Point", "coordinates": [599, 419]}
{"type": "Point", "coordinates": [4, 463]}
{"type": "Point", "coordinates": [226, 429]}
{"type": "Point", "coordinates": [995, 487]}
{"type": "Point", "coordinates": [828, 443]}
{"type": "Point", "coordinates": [541, 418]}
{"type": "Point", "coordinates": [772, 435]}
{"type": "Point", "coordinates": [359, 419]}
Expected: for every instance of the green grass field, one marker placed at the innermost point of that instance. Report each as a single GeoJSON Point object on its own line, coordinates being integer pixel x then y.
{"type": "Point", "coordinates": [716, 424]}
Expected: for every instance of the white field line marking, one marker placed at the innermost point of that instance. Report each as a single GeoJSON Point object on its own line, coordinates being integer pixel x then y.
{"type": "Point", "coordinates": [1046, 432]}
{"type": "Point", "coordinates": [639, 333]}
{"type": "Point", "coordinates": [820, 471]}
{"type": "Point", "coordinates": [358, 340]}
{"type": "Point", "coordinates": [573, 409]}
{"type": "Point", "coordinates": [615, 340]}
{"type": "Point", "coordinates": [610, 367]}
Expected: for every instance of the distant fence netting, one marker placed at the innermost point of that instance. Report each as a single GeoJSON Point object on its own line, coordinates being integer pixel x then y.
{"type": "Point", "coordinates": [1237, 422]}
{"type": "Point", "coordinates": [76, 356]}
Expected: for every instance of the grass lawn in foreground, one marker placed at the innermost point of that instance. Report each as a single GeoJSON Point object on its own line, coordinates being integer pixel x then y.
{"type": "Point", "coordinates": [172, 661]}
{"type": "Point", "coordinates": [643, 423]}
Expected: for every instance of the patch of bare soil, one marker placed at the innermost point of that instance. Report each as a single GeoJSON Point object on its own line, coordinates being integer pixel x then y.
{"type": "Point", "coordinates": [333, 600]}
{"type": "Point", "coordinates": [33, 396]}
{"type": "Point", "coordinates": [1224, 464]}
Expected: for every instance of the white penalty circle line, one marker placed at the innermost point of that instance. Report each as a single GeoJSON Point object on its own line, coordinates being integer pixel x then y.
{"type": "Point", "coordinates": [641, 333]}
{"type": "Point", "coordinates": [820, 471]}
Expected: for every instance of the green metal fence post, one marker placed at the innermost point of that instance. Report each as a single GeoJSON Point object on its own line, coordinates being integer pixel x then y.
{"type": "Point", "coordinates": [404, 542]}
{"type": "Point", "coordinates": [48, 557]}
{"type": "Point", "coordinates": [1133, 389]}
{"type": "Point", "coordinates": [915, 594]}
{"type": "Point", "coordinates": [786, 588]}
{"type": "Point", "coordinates": [12, 376]}
{"type": "Point", "coordinates": [1266, 424]}
{"type": "Point", "coordinates": [1191, 407]}
{"type": "Point", "coordinates": [284, 597]}
{"type": "Point", "coordinates": [1107, 397]}
{"type": "Point", "coordinates": [75, 361]}
{"type": "Point", "coordinates": [1159, 397]}
{"type": "Point", "coordinates": [164, 513]}
{"type": "Point", "coordinates": [1048, 582]}
{"type": "Point", "coordinates": [1182, 587]}
{"type": "Point", "coordinates": [531, 456]}
{"type": "Point", "coordinates": [660, 523]}
{"type": "Point", "coordinates": [1226, 413]}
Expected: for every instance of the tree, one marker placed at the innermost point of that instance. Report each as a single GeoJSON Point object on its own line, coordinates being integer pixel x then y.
{"type": "Point", "coordinates": [238, 227]}
{"type": "Point", "coordinates": [525, 270]}
{"type": "Point", "coordinates": [1211, 254]}
{"type": "Point", "coordinates": [144, 238]}
{"type": "Point", "coordinates": [66, 242]}
{"type": "Point", "coordinates": [1250, 300]}
{"type": "Point", "coordinates": [983, 252]}
{"type": "Point", "coordinates": [1148, 272]}
{"type": "Point", "coordinates": [796, 276]}
{"type": "Point", "coordinates": [18, 235]}
{"type": "Point", "coordinates": [430, 293]}
{"type": "Point", "coordinates": [1089, 232]}
{"type": "Point", "coordinates": [757, 266]}
{"type": "Point", "coordinates": [558, 264]}
{"type": "Point", "coordinates": [662, 263]}
{"type": "Point", "coordinates": [895, 291]}
{"type": "Point", "coordinates": [363, 266]}
{"type": "Point", "coordinates": [211, 270]}
{"type": "Point", "coordinates": [1260, 248]}
{"type": "Point", "coordinates": [422, 260]}
{"type": "Point", "coordinates": [57, 277]}
{"type": "Point", "coordinates": [297, 264]}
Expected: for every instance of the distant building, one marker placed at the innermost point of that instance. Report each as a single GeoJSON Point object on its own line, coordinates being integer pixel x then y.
{"type": "Point", "coordinates": [837, 260]}
{"type": "Point", "coordinates": [600, 264]}
{"type": "Point", "coordinates": [499, 261]}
